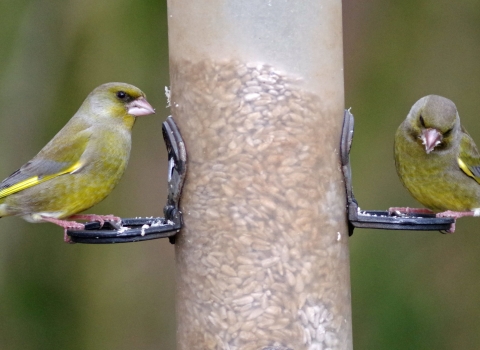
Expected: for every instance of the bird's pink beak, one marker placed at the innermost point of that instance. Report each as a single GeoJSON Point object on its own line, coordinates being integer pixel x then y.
{"type": "Point", "coordinates": [431, 138]}
{"type": "Point", "coordinates": [139, 107]}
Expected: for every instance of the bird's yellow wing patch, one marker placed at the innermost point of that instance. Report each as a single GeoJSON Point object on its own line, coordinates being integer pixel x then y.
{"type": "Point", "coordinates": [467, 170]}
{"type": "Point", "coordinates": [35, 180]}
{"type": "Point", "coordinates": [468, 158]}
{"type": "Point", "coordinates": [464, 167]}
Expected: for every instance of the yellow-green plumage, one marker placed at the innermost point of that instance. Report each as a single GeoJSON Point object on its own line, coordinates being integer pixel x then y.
{"type": "Point", "coordinates": [82, 164]}
{"type": "Point", "coordinates": [436, 159]}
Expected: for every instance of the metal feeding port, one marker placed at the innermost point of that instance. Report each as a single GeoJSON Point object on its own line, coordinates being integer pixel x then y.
{"type": "Point", "coordinates": [142, 229]}
{"type": "Point", "coordinates": [377, 218]}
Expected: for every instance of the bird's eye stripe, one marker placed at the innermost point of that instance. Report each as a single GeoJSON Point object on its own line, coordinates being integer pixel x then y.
{"type": "Point", "coordinates": [422, 121]}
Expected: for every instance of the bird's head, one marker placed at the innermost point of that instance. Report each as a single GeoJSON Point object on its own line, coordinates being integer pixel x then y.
{"type": "Point", "coordinates": [118, 100]}
{"type": "Point", "coordinates": [433, 122]}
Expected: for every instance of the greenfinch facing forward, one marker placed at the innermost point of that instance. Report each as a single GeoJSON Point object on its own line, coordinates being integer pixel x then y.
{"type": "Point", "coordinates": [81, 165]}
{"type": "Point", "coordinates": [437, 160]}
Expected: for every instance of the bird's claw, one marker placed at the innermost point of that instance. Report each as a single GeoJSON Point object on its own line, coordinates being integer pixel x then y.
{"type": "Point", "coordinates": [450, 230]}
{"type": "Point", "coordinates": [402, 211]}
{"type": "Point", "coordinates": [93, 217]}
{"type": "Point", "coordinates": [71, 225]}
{"type": "Point", "coordinates": [454, 215]}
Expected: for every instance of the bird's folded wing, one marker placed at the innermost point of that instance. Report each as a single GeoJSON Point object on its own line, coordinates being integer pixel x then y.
{"type": "Point", "coordinates": [54, 160]}
{"type": "Point", "coordinates": [469, 158]}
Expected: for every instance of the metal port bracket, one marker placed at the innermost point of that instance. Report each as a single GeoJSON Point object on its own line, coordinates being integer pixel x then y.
{"type": "Point", "coordinates": [379, 219]}
{"type": "Point", "coordinates": [142, 229]}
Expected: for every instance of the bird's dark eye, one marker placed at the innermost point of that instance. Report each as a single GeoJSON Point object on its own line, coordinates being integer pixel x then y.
{"type": "Point", "coordinates": [422, 122]}
{"type": "Point", "coordinates": [121, 94]}
{"type": "Point", "coordinates": [447, 133]}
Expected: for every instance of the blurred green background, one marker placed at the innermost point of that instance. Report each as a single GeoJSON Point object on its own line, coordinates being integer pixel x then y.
{"type": "Point", "coordinates": [409, 289]}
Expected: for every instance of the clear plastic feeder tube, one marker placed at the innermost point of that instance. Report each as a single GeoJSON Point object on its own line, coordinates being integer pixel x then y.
{"type": "Point", "coordinates": [257, 92]}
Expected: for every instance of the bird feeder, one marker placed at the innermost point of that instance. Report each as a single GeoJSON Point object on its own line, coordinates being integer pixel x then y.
{"type": "Point", "coordinates": [257, 93]}
{"type": "Point", "coordinates": [262, 256]}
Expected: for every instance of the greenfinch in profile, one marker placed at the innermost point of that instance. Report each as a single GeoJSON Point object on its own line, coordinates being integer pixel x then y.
{"type": "Point", "coordinates": [82, 164]}
{"type": "Point", "coordinates": [437, 160]}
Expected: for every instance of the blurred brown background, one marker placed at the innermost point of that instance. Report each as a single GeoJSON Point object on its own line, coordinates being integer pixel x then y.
{"type": "Point", "coordinates": [410, 289]}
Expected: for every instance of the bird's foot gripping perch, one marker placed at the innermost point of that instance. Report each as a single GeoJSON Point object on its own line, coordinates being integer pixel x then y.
{"type": "Point", "coordinates": [424, 212]}
{"type": "Point", "coordinates": [456, 215]}
{"type": "Point", "coordinates": [100, 218]}
{"type": "Point", "coordinates": [395, 218]}
{"type": "Point", "coordinates": [140, 229]}
{"type": "Point", "coordinates": [399, 211]}
{"type": "Point", "coordinates": [114, 221]}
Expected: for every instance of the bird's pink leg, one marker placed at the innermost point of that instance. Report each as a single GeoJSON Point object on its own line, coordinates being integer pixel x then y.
{"type": "Point", "coordinates": [93, 217]}
{"type": "Point", "coordinates": [455, 214]}
{"type": "Point", "coordinates": [407, 210]}
{"type": "Point", "coordinates": [66, 225]}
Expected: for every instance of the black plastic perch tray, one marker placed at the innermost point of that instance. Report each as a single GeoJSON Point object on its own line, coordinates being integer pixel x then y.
{"type": "Point", "coordinates": [377, 218]}
{"type": "Point", "coordinates": [142, 229]}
